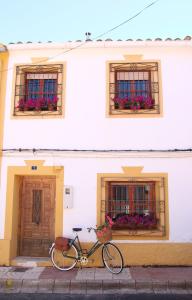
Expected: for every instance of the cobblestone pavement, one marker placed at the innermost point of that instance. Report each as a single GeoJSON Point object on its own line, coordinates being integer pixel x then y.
{"type": "Point", "coordinates": [133, 280]}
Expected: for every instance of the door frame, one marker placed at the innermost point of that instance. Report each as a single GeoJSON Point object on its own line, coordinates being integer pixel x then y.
{"type": "Point", "coordinates": [14, 177]}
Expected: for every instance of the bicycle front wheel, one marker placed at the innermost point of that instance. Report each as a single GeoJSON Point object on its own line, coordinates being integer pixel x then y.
{"type": "Point", "coordinates": [112, 258]}
{"type": "Point", "coordinates": [64, 260]}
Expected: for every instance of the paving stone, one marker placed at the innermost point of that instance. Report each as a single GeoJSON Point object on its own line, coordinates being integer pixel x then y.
{"type": "Point", "coordinates": [103, 274]}
{"type": "Point", "coordinates": [85, 274]}
{"type": "Point", "coordinates": [144, 291]}
{"type": "Point", "coordinates": [125, 274]}
{"type": "Point", "coordinates": [124, 283]}
{"type": "Point", "coordinates": [95, 281]}
{"type": "Point", "coordinates": [12, 275]}
{"type": "Point", "coordinates": [159, 284]}
{"type": "Point", "coordinates": [11, 286]}
{"type": "Point", "coordinates": [62, 286]}
{"type": "Point", "coordinates": [1, 282]}
{"type": "Point", "coordinates": [127, 287]}
{"type": "Point", "coordinates": [143, 286]}
{"type": "Point", "coordinates": [177, 287]}
{"type": "Point", "coordinates": [94, 287]}
{"type": "Point", "coordinates": [78, 287]}
{"type": "Point", "coordinates": [177, 284]}
{"type": "Point", "coordinates": [33, 273]}
{"type": "Point", "coordinates": [17, 273]}
{"type": "Point", "coordinates": [50, 272]}
{"type": "Point", "coordinates": [29, 286]}
{"type": "Point", "coordinates": [188, 284]}
{"type": "Point", "coordinates": [160, 287]}
{"type": "Point", "coordinates": [4, 270]}
{"type": "Point", "coordinates": [46, 286]}
{"type": "Point", "coordinates": [189, 291]}
{"type": "Point", "coordinates": [178, 291]}
{"type": "Point", "coordinates": [162, 291]}
{"type": "Point", "coordinates": [111, 287]}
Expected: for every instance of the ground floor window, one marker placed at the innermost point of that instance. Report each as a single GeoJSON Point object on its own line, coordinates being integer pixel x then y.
{"type": "Point", "coordinates": [137, 205]}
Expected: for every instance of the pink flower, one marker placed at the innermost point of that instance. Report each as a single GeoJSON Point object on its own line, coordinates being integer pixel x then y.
{"type": "Point", "coordinates": [110, 221]}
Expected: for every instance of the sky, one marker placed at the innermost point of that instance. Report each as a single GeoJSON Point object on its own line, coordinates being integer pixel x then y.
{"type": "Point", "coordinates": [64, 20]}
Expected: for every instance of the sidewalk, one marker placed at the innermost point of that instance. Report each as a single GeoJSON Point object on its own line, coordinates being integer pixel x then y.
{"type": "Point", "coordinates": [96, 280]}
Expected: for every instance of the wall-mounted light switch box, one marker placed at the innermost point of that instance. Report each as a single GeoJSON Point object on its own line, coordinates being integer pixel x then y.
{"type": "Point", "coordinates": [68, 196]}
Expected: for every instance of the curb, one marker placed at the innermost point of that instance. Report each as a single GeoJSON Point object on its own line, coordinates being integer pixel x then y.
{"type": "Point", "coordinates": [93, 286]}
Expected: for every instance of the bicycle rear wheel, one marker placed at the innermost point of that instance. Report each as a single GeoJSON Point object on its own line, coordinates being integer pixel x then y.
{"type": "Point", "coordinates": [112, 258]}
{"type": "Point", "coordinates": [64, 260]}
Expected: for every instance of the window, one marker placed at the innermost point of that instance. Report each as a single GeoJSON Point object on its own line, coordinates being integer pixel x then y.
{"type": "Point", "coordinates": [134, 88]}
{"type": "Point", "coordinates": [132, 205]}
{"type": "Point", "coordinates": [38, 89]}
{"type": "Point", "coordinates": [137, 205]}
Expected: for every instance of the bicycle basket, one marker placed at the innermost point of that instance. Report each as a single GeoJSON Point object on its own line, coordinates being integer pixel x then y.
{"type": "Point", "coordinates": [62, 243]}
{"type": "Point", "coordinates": [104, 235]}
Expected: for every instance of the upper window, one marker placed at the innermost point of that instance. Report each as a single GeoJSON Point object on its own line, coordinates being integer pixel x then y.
{"type": "Point", "coordinates": [134, 88]}
{"type": "Point", "coordinates": [38, 89]}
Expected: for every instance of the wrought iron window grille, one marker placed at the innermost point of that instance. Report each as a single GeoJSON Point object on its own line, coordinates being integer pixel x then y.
{"type": "Point", "coordinates": [134, 88]}
{"type": "Point", "coordinates": [136, 205]}
{"type": "Point", "coordinates": [38, 89]}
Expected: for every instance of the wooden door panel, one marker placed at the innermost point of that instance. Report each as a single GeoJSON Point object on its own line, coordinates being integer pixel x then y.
{"type": "Point", "coordinates": [37, 215]}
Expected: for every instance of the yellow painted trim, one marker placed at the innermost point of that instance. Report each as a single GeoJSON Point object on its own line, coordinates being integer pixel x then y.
{"type": "Point", "coordinates": [39, 115]}
{"type": "Point", "coordinates": [133, 58]}
{"type": "Point", "coordinates": [15, 173]}
{"type": "Point", "coordinates": [132, 171]}
{"type": "Point", "coordinates": [3, 80]}
{"type": "Point", "coordinates": [36, 60]}
{"type": "Point", "coordinates": [136, 254]}
{"type": "Point", "coordinates": [128, 174]}
{"type": "Point", "coordinates": [127, 59]}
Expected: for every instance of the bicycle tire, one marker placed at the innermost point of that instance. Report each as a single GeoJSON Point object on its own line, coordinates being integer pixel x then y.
{"type": "Point", "coordinates": [112, 258]}
{"type": "Point", "coordinates": [62, 261]}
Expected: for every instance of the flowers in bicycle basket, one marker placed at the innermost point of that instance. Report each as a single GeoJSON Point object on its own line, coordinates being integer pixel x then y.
{"type": "Point", "coordinates": [103, 232]}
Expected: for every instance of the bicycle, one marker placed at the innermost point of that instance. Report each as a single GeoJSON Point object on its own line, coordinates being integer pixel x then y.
{"type": "Point", "coordinates": [67, 260]}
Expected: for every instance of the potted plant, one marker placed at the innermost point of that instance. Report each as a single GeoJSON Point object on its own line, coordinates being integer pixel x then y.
{"type": "Point", "coordinates": [133, 102]}
{"type": "Point", "coordinates": [39, 104]}
{"type": "Point", "coordinates": [135, 221]}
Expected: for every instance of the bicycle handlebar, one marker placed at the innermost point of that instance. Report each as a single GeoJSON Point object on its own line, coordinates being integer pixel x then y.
{"type": "Point", "coordinates": [110, 223]}
{"type": "Point", "coordinates": [90, 228]}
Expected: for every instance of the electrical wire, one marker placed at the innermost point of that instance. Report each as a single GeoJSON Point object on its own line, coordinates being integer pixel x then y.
{"type": "Point", "coordinates": [128, 20]}
{"type": "Point", "coordinates": [95, 150]}
{"type": "Point", "coordinates": [97, 37]}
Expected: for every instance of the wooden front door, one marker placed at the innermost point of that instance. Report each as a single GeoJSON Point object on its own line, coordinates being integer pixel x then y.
{"type": "Point", "coordinates": [37, 215]}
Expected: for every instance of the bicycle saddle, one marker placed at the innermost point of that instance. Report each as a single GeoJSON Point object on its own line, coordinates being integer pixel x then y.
{"type": "Point", "coordinates": [76, 229]}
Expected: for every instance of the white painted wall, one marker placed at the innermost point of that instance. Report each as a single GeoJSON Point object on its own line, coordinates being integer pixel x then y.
{"type": "Point", "coordinates": [85, 125]}
{"type": "Point", "coordinates": [81, 173]}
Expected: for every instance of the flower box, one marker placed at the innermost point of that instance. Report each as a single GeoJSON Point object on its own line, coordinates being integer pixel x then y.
{"type": "Point", "coordinates": [40, 104]}
{"type": "Point", "coordinates": [133, 103]}
{"type": "Point", "coordinates": [135, 221]}
{"type": "Point", "coordinates": [133, 226]}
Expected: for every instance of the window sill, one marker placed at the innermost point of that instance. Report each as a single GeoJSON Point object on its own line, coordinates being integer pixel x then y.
{"type": "Point", "coordinates": [134, 112]}
{"type": "Point", "coordinates": [122, 113]}
{"type": "Point", "coordinates": [39, 113]}
{"type": "Point", "coordinates": [124, 234]}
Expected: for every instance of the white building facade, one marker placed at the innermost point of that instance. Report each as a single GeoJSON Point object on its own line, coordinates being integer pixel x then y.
{"type": "Point", "coordinates": [93, 129]}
